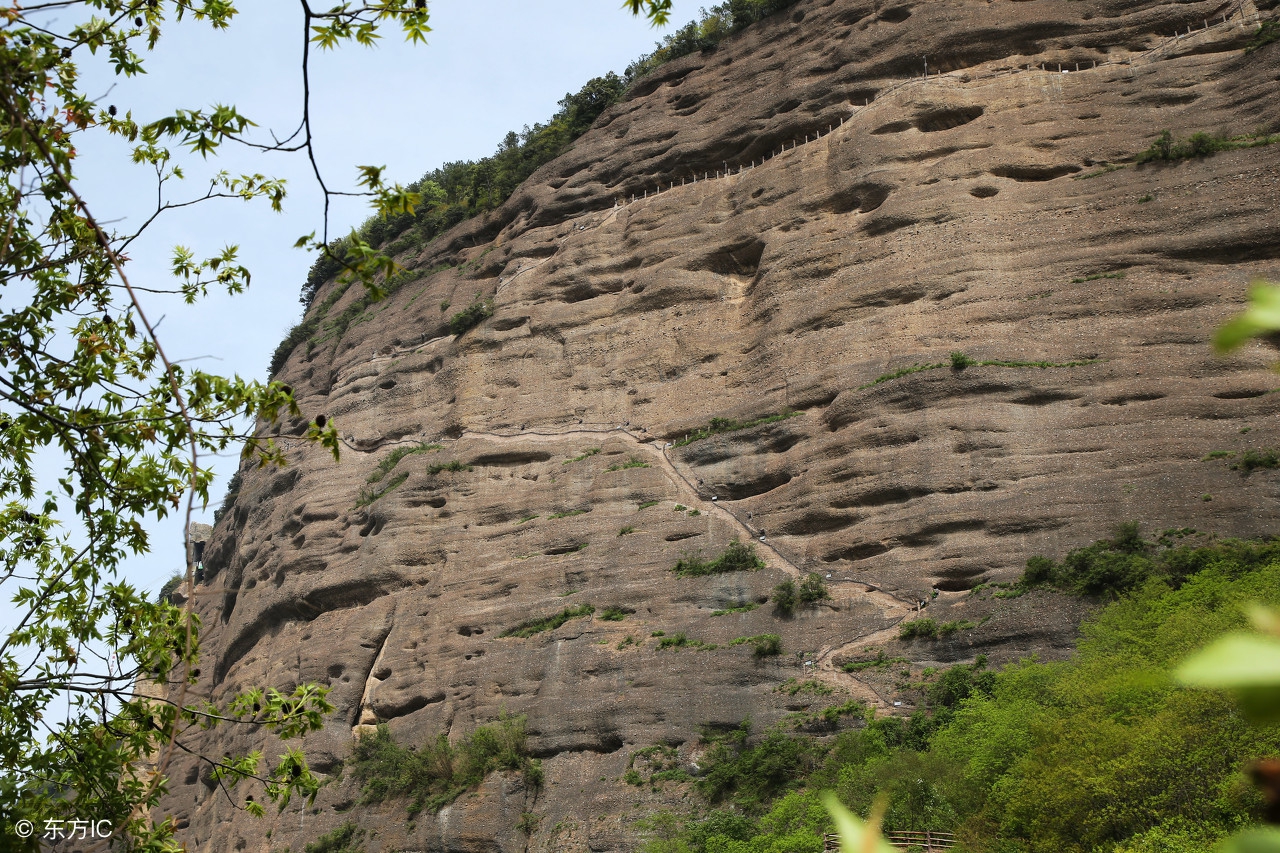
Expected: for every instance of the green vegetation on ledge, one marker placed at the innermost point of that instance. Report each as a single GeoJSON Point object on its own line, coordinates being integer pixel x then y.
{"type": "Point", "coordinates": [392, 459]}
{"type": "Point", "coordinates": [762, 645]}
{"type": "Point", "coordinates": [436, 774]}
{"type": "Point", "coordinates": [1126, 561]}
{"type": "Point", "coordinates": [452, 466]}
{"type": "Point", "coordinates": [722, 425]}
{"type": "Point", "coordinates": [473, 315]}
{"type": "Point", "coordinates": [1266, 34]}
{"type": "Point", "coordinates": [681, 641]}
{"type": "Point", "coordinates": [344, 839]}
{"type": "Point", "coordinates": [741, 608]}
{"type": "Point", "coordinates": [369, 494]}
{"type": "Point", "coordinates": [737, 557]}
{"type": "Point", "coordinates": [1249, 460]}
{"type": "Point", "coordinates": [787, 595]}
{"type": "Point", "coordinates": [633, 462]}
{"type": "Point", "coordinates": [1200, 144]}
{"type": "Point", "coordinates": [548, 623]}
{"type": "Point", "coordinates": [931, 629]}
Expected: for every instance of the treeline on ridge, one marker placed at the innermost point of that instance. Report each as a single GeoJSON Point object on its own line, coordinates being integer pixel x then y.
{"type": "Point", "coordinates": [463, 189]}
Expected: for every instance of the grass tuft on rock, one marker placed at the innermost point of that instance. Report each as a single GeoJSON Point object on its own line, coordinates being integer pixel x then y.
{"type": "Point", "coordinates": [722, 425]}
{"type": "Point", "coordinates": [548, 623]}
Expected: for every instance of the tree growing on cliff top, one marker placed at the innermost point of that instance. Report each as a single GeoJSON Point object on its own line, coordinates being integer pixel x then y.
{"type": "Point", "coordinates": [87, 387]}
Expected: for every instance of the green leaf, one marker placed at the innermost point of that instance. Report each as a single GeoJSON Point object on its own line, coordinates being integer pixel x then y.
{"type": "Point", "coordinates": [1236, 660]}
{"type": "Point", "coordinates": [1248, 665]}
{"type": "Point", "coordinates": [856, 835]}
{"type": "Point", "coordinates": [1262, 316]}
{"type": "Point", "coordinates": [1261, 840]}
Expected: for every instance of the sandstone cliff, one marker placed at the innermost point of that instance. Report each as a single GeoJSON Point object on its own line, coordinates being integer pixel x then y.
{"type": "Point", "coordinates": [872, 221]}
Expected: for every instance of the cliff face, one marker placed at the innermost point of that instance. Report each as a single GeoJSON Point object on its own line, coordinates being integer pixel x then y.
{"type": "Point", "coordinates": [871, 223]}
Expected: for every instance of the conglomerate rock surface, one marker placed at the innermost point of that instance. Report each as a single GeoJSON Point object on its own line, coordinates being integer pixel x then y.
{"type": "Point", "coordinates": [871, 222]}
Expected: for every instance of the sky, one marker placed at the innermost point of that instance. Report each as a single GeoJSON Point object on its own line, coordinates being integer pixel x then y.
{"type": "Point", "coordinates": [491, 66]}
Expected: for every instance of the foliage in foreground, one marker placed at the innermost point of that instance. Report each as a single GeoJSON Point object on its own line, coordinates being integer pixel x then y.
{"type": "Point", "coordinates": [120, 431]}
{"type": "Point", "coordinates": [436, 774]}
{"type": "Point", "coordinates": [1105, 752]}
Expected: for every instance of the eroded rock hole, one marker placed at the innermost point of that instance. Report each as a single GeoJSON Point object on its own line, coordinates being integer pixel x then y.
{"type": "Point", "coordinates": [506, 324]}
{"type": "Point", "coordinates": [373, 525]}
{"type": "Point", "coordinates": [861, 551]}
{"type": "Point", "coordinates": [947, 119]}
{"type": "Point", "coordinates": [1034, 173]}
{"type": "Point", "coordinates": [892, 127]}
{"type": "Point", "coordinates": [741, 259]}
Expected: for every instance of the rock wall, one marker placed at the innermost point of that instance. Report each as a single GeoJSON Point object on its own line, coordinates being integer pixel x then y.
{"type": "Point", "coordinates": [825, 220]}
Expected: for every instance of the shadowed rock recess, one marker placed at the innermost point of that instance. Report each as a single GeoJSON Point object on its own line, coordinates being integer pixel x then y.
{"type": "Point", "coordinates": [558, 460]}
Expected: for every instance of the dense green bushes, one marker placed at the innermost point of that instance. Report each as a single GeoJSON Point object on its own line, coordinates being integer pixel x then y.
{"type": "Point", "coordinates": [462, 189]}
{"type": "Point", "coordinates": [1104, 753]}
{"type": "Point", "coordinates": [931, 629]}
{"type": "Point", "coordinates": [471, 316]}
{"type": "Point", "coordinates": [737, 557]}
{"type": "Point", "coordinates": [762, 645]}
{"type": "Point", "coordinates": [787, 595]}
{"type": "Point", "coordinates": [344, 839]}
{"type": "Point", "coordinates": [1126, 561]}
{"type": "Point", "coordinates": [714, 26]}
{"type": "Point", "coordinates": [749, 776]}
{"type": "Point", "coordinates": [438, 773]}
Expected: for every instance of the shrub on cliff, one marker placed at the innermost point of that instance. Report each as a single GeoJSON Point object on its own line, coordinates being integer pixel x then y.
{"type": "Point", "coordinates": [471, 316]}
{"type": "Point", "coordinates": [737, 557]}
{"type": "Point", "coordinates": [437, 773]}
{"type": "Point", "coordinates": [1126, 561]}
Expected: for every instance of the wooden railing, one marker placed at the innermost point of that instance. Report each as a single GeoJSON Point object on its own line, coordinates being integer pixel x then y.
{"type": "Point", "coordinates": [927, 841]}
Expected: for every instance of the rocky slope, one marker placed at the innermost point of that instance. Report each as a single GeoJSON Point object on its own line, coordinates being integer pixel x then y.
{"type": "Point", "coordinates": [871, 222]}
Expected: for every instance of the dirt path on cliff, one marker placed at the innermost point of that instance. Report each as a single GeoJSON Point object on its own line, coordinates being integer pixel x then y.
{"type": "Point", "coordinates": [655, 450]}
{"type": "Point", "coordinates": [686, 492]}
